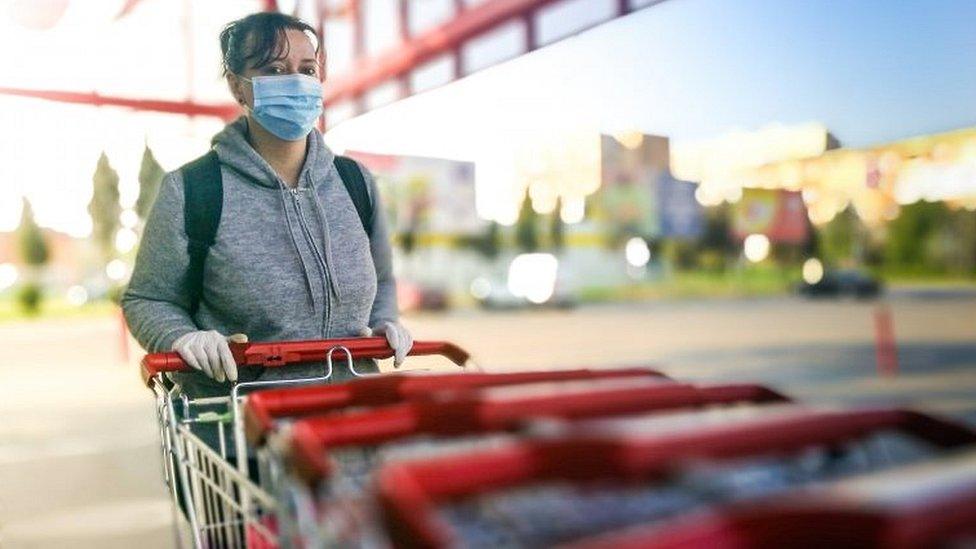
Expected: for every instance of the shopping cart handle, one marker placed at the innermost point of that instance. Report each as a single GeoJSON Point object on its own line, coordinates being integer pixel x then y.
{"type": "Point", "coordinates": [280, 353]}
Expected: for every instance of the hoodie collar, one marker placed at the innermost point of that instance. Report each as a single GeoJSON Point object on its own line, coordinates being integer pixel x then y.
{"type": "Point", "coordinates": [236, 152]}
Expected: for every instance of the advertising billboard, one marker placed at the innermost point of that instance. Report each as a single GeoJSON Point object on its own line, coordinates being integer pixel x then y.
{"type": "Point", "coordinates": [779, 214]}
{"type": "Point", "coordinates": [425, 195]}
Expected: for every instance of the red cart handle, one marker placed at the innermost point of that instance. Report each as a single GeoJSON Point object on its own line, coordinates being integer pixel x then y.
{"type": "Point", "coordinates": [264, 408]}
{"type": "Point", "coordinates": [281, 353]}
{"type": "Point", "coordinates": [481, 412]}
{"type": "Point", "coordinates": [409, 491]}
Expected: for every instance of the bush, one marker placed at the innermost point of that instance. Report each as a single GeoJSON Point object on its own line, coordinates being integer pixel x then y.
{"type": "Point", "coordinates": [29, 298]}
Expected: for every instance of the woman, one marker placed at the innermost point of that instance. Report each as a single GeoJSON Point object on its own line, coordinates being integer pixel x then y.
{"type": "Point", "coordinates": [291, 258]}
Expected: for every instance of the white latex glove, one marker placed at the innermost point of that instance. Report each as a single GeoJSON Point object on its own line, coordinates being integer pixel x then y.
{"type": "Point", "coordinates": [208, 352]}
{"type": "Point", "coordinates": [396, 335]}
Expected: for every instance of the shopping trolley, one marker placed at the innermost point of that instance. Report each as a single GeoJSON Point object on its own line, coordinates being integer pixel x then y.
{"type": "Point", "coordinates": [267, 410]}
{"type": "Point", "coordinates": [331, 457]}
{"type": "Point", "coordinates": [223, 506]}
{"type": "Point", "coordinates": [931, 504]}
{"type": "Point", "coordinates": [646, 471]}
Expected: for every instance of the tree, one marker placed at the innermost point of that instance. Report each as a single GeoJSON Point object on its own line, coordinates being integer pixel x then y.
{"type": "Point", "coordinates": [526, 227]}
{"type": "Point", "coordinates": [839, 240]}
{"type": "Point", "coordinates": [34, 253]}
{"type": "Point", "coordinates": [104, 207]}
{"type": "Point", "coordinates": [912, 237]}
{"type": "Point", "coordinates": [487, 244]}
{"type": "Point", "coordinates": [716, 247]}
{"type": "Point", "coordinates": [150, 177]}
{"type": "Point", "coordinates": [557, 229]}
{"type": "Point", "coordinates": [31, 241]}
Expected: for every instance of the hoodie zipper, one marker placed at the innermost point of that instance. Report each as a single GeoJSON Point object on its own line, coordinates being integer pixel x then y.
{"type": "Point", "coordinates": [303, 223]}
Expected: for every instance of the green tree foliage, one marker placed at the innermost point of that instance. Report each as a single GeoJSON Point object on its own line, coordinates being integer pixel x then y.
{"type": "Point", "coordinates": [526, 227]}
{"type": "Point", "coordinates": [716, 247]}
{"type": "Point", "coordinates": [408, 240]}
{"type": "Point", "coordinates": [910, 235]}
{"type": "Point", "coordinates": [104, 207]}
{"type": "Point", "coordinates": [34, 252]}
{"type": "Point", "coordinates": [963, 227]}
{"type": "Point", "coordinates": [488, 243]}
{"type": "Point", "coordinates": [29, 298]}
{"type": "Point", "coordinates": [840, 239]}
{"type": "Point", "coordinates": [557, 229]}
{"type": "Point", "coordinates": [31, 242]}
{"type": "Point", "coordinates": [150, 176]}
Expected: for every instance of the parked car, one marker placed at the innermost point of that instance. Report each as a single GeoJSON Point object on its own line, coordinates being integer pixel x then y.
{"type": "Point", "coordinates": [843, 282]}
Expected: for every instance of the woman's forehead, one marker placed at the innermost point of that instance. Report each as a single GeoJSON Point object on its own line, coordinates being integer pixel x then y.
{"type": "Point", "coordinates": [294, 45]}
{"type": "Point", "coordinates": [300, 43]}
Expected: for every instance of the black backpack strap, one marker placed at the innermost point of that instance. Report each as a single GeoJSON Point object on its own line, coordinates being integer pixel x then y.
{"type": "Point", "coordinates": [352, 178]}
{"type": "Point", "coordinates": [203, 201]}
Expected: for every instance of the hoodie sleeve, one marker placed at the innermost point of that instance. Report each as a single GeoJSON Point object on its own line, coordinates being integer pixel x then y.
{"type": "Point", "coordinates": [156, 302]}
{"type": "Point", "coordinates": [385, 304]}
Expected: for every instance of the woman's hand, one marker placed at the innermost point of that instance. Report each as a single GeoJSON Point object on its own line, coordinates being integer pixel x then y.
{"type": "Point", "coordinates": [208, 352]}
{"type": "Point", "coordinates": [396, 335]}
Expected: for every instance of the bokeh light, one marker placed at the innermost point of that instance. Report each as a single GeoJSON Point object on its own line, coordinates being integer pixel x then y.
{"type": "Point", "coordinates": [8, 275]}
{"type": "Point", "coordinates": [126, 240]}
{"type": "Point", "coordinates": [533, 276]}
{"type": "Point", "coordinates": [117, 270]}
{"type": "Point", "coordinates": [77, 295]}
{"type": "Point", "coordinates": [756, 247]}
{"type": "Point", "coordinates": [637, 252]}
{"type": "Point", "coordinates": [813, 271]}
{"type": "Point", "coordinates": [480, 288]}
{"type": "Point", "coordinates": [129, 218]}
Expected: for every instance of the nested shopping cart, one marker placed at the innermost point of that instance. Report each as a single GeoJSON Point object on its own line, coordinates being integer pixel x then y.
{"type": "Point", "coordinates": [229, 504]}
{"type": "Point", "coordinates": [930, 504]}
{"type": "Point", "coordinates": [651, 472]}
{"type": "Point", "coordinates": [331, 458]}
{"type": "Point", "coordinates": [266, 408]}
{"type": "Point", "coordinates": [222, 504]}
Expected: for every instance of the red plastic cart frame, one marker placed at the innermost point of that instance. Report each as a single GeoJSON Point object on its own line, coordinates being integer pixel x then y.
{"type": "Point", "coordinates": [477, 412]}
{"type": "Point", "coordinates": [940, 508]}
{"type": "Point", "coordinates": [408, 492]}
{"type": "Point", "coordinates": [263, 409]}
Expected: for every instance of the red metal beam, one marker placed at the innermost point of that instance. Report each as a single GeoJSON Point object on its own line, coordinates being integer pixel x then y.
{"type": "Point", "coordinates": [428, 45]}
{"type": "Point", "coordinates": [224, 111]}
{"type": "Point", "coordinates": [468, 23]}
{"type": "Point", "coordinates": [127, 8]}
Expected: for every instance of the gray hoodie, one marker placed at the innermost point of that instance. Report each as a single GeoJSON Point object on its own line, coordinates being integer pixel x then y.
{"type": "Point", "coordinates": [286, 264]}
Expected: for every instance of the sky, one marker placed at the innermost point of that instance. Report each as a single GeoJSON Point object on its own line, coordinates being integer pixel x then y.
{"type": "Point", "coordinates": [869, 70]}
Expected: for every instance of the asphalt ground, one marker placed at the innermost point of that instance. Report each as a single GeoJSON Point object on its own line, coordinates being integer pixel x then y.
{"type": "Point", "coordinates": [79, 457]}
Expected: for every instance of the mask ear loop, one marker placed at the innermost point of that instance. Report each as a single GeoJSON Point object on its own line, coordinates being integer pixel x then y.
{"type": "Point", "coordinates": [241, 100]}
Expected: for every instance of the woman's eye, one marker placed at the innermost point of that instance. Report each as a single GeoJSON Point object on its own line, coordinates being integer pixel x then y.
{"type": "Point", "coordinates": [311, 71]}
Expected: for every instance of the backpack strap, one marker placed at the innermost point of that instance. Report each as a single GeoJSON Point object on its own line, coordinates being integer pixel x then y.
{"type": "Point", "coordinates": [355, 183]}
{"type": "Point", "coordinates": [203, 201]}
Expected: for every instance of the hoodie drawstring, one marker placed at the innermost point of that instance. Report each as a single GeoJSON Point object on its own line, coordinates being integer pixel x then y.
{"type": "Point", "coordinates": [324, 220]}
{"type": "Point", "coordinates": [284, 210]}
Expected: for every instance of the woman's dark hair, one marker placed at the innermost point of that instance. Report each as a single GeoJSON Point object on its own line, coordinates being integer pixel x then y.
{"type": "Point", "coordinates": [259, 37]}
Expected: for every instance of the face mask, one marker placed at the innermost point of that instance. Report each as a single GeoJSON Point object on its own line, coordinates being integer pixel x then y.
{"type": "Point", "coordinates": [287, 105]}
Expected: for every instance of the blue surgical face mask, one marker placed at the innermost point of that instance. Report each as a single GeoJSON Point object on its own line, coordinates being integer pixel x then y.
{"type": "Point", "coordinates": [286, 105]}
